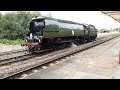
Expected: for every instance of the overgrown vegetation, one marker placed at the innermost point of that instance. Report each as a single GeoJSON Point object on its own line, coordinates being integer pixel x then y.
{"type": "Point", "coordinates": [14, 25]}
{"type": "Point", "coordinates": [11, 42]}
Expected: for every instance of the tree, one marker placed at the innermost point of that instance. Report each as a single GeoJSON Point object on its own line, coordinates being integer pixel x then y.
{"type": "Point", "coordinates": [0, 16]}
{"type": "Point", "coordinates": [35, 13]}
{"type": "Point", "coordinates": [13, 25]}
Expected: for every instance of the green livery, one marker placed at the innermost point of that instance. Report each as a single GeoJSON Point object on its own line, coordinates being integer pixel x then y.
{"type": "Point", "coordinates": [62, 28]}
{"type": "Point", "coordinates": [50, 28]}
{"type": "Point", "coordinates": [47, 33]}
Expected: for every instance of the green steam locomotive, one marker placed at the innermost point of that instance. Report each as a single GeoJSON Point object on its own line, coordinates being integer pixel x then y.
{"type": "Point", "coordinates": [45, 33]}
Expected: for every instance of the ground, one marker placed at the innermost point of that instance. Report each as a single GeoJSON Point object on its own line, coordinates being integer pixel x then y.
{"type": "Point", "coordinates": [6, 48]}
{"type": "Point", "coordinates": [100, 62]}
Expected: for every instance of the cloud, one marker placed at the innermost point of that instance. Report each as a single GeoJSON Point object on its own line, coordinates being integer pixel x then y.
{"type": "Point", "coordinates": [91, 17]}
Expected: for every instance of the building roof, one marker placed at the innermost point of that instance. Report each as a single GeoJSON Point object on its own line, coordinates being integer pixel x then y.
{"type": "Point", "coordinates": [114, 14]}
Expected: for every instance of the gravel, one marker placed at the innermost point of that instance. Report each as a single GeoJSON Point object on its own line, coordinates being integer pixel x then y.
{"type": "Point", "coordinates": [6, 48]}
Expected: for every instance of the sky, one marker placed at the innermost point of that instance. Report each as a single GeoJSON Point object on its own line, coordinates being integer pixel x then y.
{"type": "Point", "coordinates": [96, 18]}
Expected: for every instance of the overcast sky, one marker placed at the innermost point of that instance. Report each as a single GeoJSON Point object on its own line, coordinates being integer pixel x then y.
{"type": "Point", "coordinates": [90, 17]}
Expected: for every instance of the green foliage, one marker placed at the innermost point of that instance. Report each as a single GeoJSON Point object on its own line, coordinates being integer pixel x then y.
{"type": "Point", "coordinates": [0, 15]}
{"type": "Point", "coordinates": [13, 42]}
{"type": "Point", "coordinates": [13, 25]}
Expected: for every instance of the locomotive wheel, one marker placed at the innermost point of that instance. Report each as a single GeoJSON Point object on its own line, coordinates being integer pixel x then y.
{"type": "Point", "coordinates": [89, 39]}
{"type": "Point", "coordinates": [68, 44]}
{"type": "Point", "coordinates": [28, 49]}
{"type": "Point", "coordinates": [93, 38]}
{"type": "Point", "coordinates": [31, 49]}
{"type": "Point", "coordinates": [83, 41]}
{"type": "Point", "coordinates": [78, 42]}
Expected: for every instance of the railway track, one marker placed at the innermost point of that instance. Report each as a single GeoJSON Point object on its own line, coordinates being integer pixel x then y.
{"type": "Point", "coordinates": [9, 71]}
{"type": "Point", "coordinates": [16, 59]}
{"type": "Point", "coordinates": [9, 55]}
{"type": "Point", "coordinates": [23, 57]}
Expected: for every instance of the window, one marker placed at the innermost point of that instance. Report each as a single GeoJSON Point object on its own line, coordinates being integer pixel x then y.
{"type": "Point", "coordinates": [39, 23]}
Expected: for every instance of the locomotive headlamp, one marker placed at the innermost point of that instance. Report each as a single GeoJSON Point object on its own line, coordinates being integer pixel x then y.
{"type": "Point", "coordinates": [31, 35]}
{"type": "Point", "coordinates": [26, 40]}
{"type": "Point", "coordinates": [39, 40]}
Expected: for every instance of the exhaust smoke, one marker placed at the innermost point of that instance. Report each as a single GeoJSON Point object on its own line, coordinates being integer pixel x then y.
{"type": "Point", "coordinates": [73, 45]}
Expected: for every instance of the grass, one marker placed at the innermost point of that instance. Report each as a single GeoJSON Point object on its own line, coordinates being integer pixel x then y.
{"type": "Point", "coordinates": [11, 42]}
